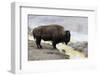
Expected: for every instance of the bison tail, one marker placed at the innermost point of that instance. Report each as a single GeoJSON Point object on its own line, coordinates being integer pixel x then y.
{"type": "Point", "coordinates": [34, 36]}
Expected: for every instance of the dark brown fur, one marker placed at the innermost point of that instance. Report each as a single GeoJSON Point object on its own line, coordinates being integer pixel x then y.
{"type": "Point", "coordinates": [54, 33]}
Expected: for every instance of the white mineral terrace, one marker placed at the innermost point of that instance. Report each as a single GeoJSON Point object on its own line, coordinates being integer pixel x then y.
{"type": "Point", "coordinates": [74, 54]}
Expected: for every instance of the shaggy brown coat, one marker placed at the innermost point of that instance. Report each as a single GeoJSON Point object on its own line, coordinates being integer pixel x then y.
{"type": "Point", "coordinates": [54, 33]}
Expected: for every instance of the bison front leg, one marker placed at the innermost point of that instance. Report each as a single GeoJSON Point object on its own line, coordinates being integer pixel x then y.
{"type": "Point", "coordinates": [54, 44]}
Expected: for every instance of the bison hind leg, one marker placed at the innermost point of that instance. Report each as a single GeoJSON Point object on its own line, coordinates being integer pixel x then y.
{"type": "Point", "coordinates": [40, 46]}
{"type": "Point", "coordinates": [38, 41]}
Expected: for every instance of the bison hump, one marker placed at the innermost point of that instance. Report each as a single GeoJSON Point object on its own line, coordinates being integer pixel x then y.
{"type": "Point", "coordinates": [49, 30]}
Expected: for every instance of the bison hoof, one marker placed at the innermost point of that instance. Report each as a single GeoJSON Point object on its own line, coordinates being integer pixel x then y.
{"type": "Point", "coordinates": [39, 47]}
{"type": "Point", "coordinates": [54, 48]}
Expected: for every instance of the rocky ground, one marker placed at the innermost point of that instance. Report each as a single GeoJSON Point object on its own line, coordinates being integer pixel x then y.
{"type": "Point", "coordinates": [80, 47]}
{"type": "Point", "coordinates": [71, 51]}
{"type": "Point", "coordinates": [47, 53]}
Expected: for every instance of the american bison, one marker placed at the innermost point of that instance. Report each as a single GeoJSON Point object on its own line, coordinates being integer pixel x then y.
{"type": "Point", "coordinates": [54, 33]}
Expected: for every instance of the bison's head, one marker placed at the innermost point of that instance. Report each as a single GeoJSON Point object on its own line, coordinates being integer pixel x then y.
{"type": "Point", "coordinates": [67, 36]}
